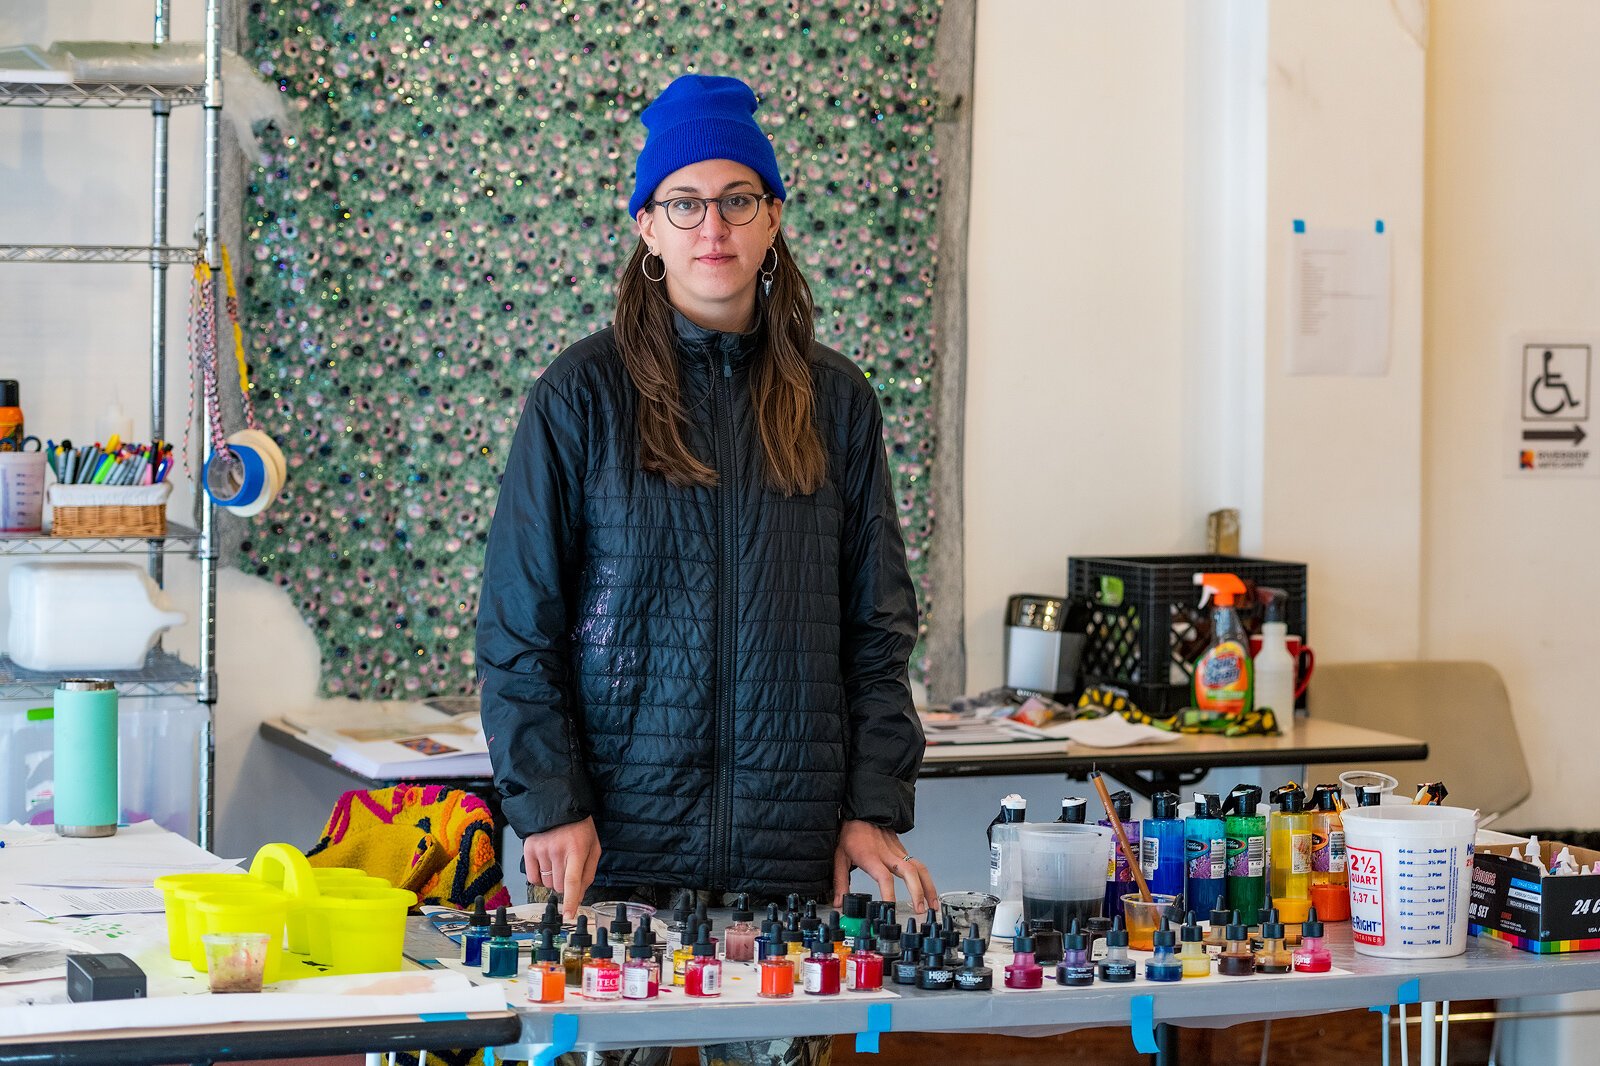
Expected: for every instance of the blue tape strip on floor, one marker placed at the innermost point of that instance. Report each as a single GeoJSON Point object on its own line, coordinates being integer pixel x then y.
{"type": "Point", "coordinates": [880, 1019]}
{"type": "Point", "coordinates": [563, 1038]}
{"type": "Point", "coordinates": [1143, 1024]}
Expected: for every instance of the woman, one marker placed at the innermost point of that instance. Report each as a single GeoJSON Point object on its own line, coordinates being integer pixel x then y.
{"type": "Point", "coordinates": [696, 614]}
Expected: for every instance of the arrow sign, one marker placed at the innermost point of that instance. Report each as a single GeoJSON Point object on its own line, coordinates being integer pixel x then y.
{"type": "Point", "coordinates": [1575, 435]}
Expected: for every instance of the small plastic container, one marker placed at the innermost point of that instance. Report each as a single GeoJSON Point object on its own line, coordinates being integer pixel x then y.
{"type": "Point", "coordinates": [968, 909]}
{"type": "Point", "coordinates": [1144, 918]}
{"type": "Point", "coordinates": [1351, 781]}
{"type": "Point", "coordinates": [235, 962]}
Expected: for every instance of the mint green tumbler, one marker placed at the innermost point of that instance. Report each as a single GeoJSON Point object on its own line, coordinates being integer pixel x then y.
{"type": "Point", "coordinates": [86, 800]}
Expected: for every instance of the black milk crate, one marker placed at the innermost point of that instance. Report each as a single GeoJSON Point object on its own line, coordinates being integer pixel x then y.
{"type": "Point", "coordinates": [1149, 641]}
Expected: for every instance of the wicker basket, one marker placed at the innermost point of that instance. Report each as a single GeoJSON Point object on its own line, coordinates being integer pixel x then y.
{"type": "Point", "coordinates": [109, 510]}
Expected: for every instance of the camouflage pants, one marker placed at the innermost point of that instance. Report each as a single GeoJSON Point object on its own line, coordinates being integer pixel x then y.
{"type": "Point", "coordinates": [783, 1051]}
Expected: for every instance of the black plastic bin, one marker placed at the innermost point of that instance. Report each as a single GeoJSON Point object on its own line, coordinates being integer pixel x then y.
{"type": "Point", "coordinates": [1147, 643]}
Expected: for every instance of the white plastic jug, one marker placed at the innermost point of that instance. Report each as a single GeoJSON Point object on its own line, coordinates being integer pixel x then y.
{"type": "Point", "coordinates": [85, 616]}
{"type": "Point", "coordinates": [1410, 871]}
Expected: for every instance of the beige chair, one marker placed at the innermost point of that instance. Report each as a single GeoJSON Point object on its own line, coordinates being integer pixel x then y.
{"type": "Point", "coordinates": [1460, 708]}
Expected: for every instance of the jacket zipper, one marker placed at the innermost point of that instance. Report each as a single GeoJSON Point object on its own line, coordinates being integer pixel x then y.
{"type": "Point", "coordinates": [727, 600]}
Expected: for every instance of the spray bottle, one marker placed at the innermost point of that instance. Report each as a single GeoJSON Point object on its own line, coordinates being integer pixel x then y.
{"type": "Point", "coordinates": [1223, 687]}
{"type": "Point", "coordinates": [1247, 847]}
{"type": "Point", "coordinates": [1205, 847]}
{"type": "Point", "coordinates": [1290, 828]}
{"type": "Point", "coordinates": [1274, 666]}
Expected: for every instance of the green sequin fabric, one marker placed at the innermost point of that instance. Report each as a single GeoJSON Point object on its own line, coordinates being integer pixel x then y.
{"type": "Point", "coordinates": [451, 214]}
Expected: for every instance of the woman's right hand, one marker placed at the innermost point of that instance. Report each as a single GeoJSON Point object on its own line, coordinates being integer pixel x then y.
{"type": "Point", "coordinates": [564, 859]}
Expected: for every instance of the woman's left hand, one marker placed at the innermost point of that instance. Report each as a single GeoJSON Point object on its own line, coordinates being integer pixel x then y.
{"type": "Point", "coordinates": [879, 853]}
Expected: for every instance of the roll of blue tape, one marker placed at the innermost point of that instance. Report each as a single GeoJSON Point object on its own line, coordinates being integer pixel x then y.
{"type": "Point", "coordinates": [243, 474]}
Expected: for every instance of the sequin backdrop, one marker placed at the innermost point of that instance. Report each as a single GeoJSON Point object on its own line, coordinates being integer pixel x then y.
{"type": "Point", "coordinates": [450, 216]}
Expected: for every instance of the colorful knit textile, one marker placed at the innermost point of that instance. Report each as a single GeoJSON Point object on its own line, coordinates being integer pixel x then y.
{"type": "Point", "coordinates": [438, 842]}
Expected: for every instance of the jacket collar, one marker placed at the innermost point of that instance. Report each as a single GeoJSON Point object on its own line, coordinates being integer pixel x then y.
{"type": "Point", "coordinates": [709, 347]}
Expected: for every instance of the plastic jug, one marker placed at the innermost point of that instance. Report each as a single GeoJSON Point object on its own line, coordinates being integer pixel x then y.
{"type": "Point", "coordinates": [1064, 871]}
{"type": "Point", "coordinates": [85, 616]}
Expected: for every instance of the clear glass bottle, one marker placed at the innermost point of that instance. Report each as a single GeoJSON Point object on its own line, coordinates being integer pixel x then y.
{"type": "Point", "coordinates": [576, 952]}
{"type": "Point", "coordinates": [1192, 950]}
{"type": "Point", "coordinates": [739, 940]}
{"type": "Point", "coordinates": [500, 950]}
{"type": "Point", "coordinates": [602, 977]}
{"type": "Point", "coordinates": [1236, 959]}
{"type": "Point", "coordinates": [974, 976]}
{"type": "Point", "coordinates": [702, 978]}
{"type": "Point", "coordinates": [1217, 928]}
{"type": "Point", "coordinates": [547, 978]}
{"type": "Point", "coordinates": [863, 970]}
{"type": "Point", "coordinates": [1076, 969]}
{"type": "Point", "coordinates": [819, 973]}
{"type": "Point", "coordinates": [777, 977]}
{"type": "Point", "coordinates": [1274, 956]}
{"type": "Point", "coordinates": [836, 937]}
{"type": "Point", "coordinates": [1117, 966]}
{"type": "Point", "coordinates": [854, 920]}
{"type": "Point", "coordinates": [475, 935]}
{"type": "Point", "coordinates": [641, 974]}
{"type": "Point", "coordinates": [1024, 970]}
{"type": "Point", "coordinates": [887, 939]}
{"type": "Point", "coordinates": [1312, 956]}
{"type": "Point", "coordinates": [1163, 964]}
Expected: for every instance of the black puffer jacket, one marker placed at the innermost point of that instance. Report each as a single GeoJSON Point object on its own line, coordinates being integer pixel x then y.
{"type": "Point", "coordinates": [717, 675]}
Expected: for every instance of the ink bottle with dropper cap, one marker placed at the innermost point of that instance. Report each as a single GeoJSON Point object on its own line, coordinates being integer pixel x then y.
{"type": "Point", "coordinates": [974, 976]}
{"type": "Point", "coordinates": [602, 977]}
{"type": "Point", "coordinates": [1046, 940]}
{"type": "Point", "coordinates": [577, 951]}
{"type": "Point", "coordinates": [685, 952]}
{"type": "Point", "coordinates": [1192, 954]}
{"type": "Point", "coordinates": [621, 928]}
{"type": "Point", "coordinates": [740, 937]}
{"type": "Point", "coordinates": [819, 974]}
{"type": "Point", "coordinates": [1236, 960]}
{"type": "Point", "coordinates": [1217, 928]}
{"type": "Point", "coordinates": [810, 924]}
{"type": "Point", "coordinates": [551, 920]}
{"type": "Point", "coordinates": [770, 942]}
{"type": "Point", "coordinates": [641, 974]}
{"type": "Point", "coordinates": [1312, 956]}
{"type": "Point", "coordinates": [475, 934]}
{"type": "Point", "coordinates": [678, 929]}
{"type": "Point", "coordinates": [887, 938]}
{"type": "Point", "coordinates": [1274, 956]}
{"type": "Point", "coordinates": [547, 978]}
{"type": "Point", "coordinates": [1024, 970]}
{"type": "Point", "coordinates": [703, 976]}
{"type": "Point", "coordinates": [836, 937]}
{"type": "Point", "coordinates": [934, 972]}
{"type": "Point", "coordinates": [1164, 964]}
{"type": "Point", "coordinates": [795, 948]}
{"type": "Point", "coordinates": [1117, 966]}
{"type": "Point", "coordinates": [854, 919]}
{"type": "Point", "coordinates": [500, 952]}
{"type": "Point", "coordinates": [863, 970]}
{"type": "Point", "coordinates": [777, 977]}
{"type": "Point", "coordinates": [905, 967]}
{"type": "Point", "coordinates": [1076, 969]}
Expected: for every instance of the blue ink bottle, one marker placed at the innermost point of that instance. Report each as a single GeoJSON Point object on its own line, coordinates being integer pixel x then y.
{"type": "Point", "coordinates": [473, 937]}
{"type": "Point", "coordinates": [1164, 964]}
{"type": "Point", "coordinates": [500, 953]}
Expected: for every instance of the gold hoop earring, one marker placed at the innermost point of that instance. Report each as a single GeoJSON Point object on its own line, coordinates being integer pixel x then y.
{"type": "Point", "coordinates": [644, 266]}
{"type": "Point", "coordinates": [767, 271]}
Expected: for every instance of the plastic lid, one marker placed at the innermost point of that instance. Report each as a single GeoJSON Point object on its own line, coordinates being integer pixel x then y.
{"type": "Point", "coordinates": [933, 945]}
{"type": "Point", "coordinates": [855, 904]}
{"type": "Point", "coordinates": [552, 917]}
{"type": "Point", "coordinates": [641, 948]}
{"type": "Point", "coordinates": [823, 945]}
{"type": "Point", "coordinates": [794, 935]}
{"type": "Point", "coordinates": [1290, 799]}
{"type": "Point", "coordinates": [1271, 928]}
{"type": "Point", "coordinates": [1243, 801]}
{"type": "Point", "coordinates": [1207, 805]}
{"type": "Point", "coordinates": [1164, 937]}
{"type": "Point", "coordinates": [1312, 926]}
{"type": "Point", "coordinates": [1220, 916]}
{"type": "Point", "coordinates": [480, 917]}
{"type": "Point", "coordinates": [973, 947]}
{"type": "Point", "coordinates": [621, 927]}
{"type": "Point", "coordinates": [10, 394]}
{"type": "Point", "coordinates": [809, 919]}
{"type": "Point", "coordinates": [1097, 926]}
{"type": "Point", "coordinates": [1164, 805]}
{"type": "Point", "coordinates": [703, 947]}
{"type": "Point", "coordinates": [1369, 796]}
{"type": "Point", "coordinates": [1190, 933]}
{"type": "Point", "coordinates": [684, 908]}
{"type": "Point", "coordinates": [1075, 938]}
{"type": "Point", "coordinates": [547, 950]}
{"type": "Point", "coordinates": [1013, 802]}
{"type": "Point", "coordinates": [1122, 803]}
{"type": "Point", "coordinates": [580, 937]}
{"type": "Point", "coordinates": [1326, 797]}
{"type": "Point", "coordinates": [1275, 601]}
{"type": "Point", "coordinates": [910, 931]}
{"type": "Point", "coordinates": [602, 945]}
{"type": "Point", "coordinates": [861, 942]}
{"type": "Point", "coordinates": [1022, 945]}
{"type": "Point", "coordinates": [1074, 810]}
{"type": "Point", "coordinates": [1234, 930]}
{"type": "Point", "coordinates": [501, 926]}
{"type": "Point", "coordinates": [794, 901]}
{"type": "Point", "coordinates": [1042, 925]}
{"type": "Point", "coordinates": [742, 911]}
{"type": "Point", "coordinates": [1117, 937]}
{"type": "Point", "coordinates": [887, 931]}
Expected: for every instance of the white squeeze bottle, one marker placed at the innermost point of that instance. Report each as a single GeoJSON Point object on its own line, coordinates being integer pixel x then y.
{"type": "Point", "coordinates": [1274, 666]}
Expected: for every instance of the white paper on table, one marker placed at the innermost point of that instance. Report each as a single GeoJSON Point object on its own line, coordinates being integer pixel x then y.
{"type": "Point", "coordinates": [1340, 299]}
{"type": "Point", "coordinates": [134, 857]}
{"type": "Point", "coordinates": [1112, 731]}
{"type": "Point", "coordinates": [55, 902]}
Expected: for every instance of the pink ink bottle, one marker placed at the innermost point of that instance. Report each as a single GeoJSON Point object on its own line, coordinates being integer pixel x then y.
{"type": "Point", "coordinates": [1024, 971]}
{"type": "Point", "coordinates": [1312, 956]}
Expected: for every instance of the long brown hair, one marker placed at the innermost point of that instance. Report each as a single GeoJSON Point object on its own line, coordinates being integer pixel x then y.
{"type": "Point", "coordinates": [780, 384]}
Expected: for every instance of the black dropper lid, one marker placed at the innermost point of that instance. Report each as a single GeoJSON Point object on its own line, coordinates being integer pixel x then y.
{"type": "Point", "coordinates": [1235, 931]}
{"type": "Point", "coordinates": [700, 916]}
{"type": "Point", "coordinates": [810, 920]}
{"type": "Point", "coordinates": [742, 911]}
{"type": "Point", "coordinates": [682, 909]}
{"type": "Point", "coordinates": [1122, 803]}
{"type": "Point", "coordinates": [1164, 937]}
{"type": "Point", "coordinates": [641, 948]}
{"type": "Point", "coordinates": [703, 947]}
{"type": "Point", "coordinates": [547, 950]}
{"type": "Point", "coordinates": [1022, 944]}
{"type": "Point", "coordinates": [772, 912]}
{"type": "Point", "coordinates": [793, 933]}
{"type": "Point", "coordinates": [580, 937]}
{"type": "Point", "coordinates": [1243, 801]}
{"type": "Point", "coordinates": [1290, 799]}
{"type": "Point", "coordinates": [480, 917]}
{"type": "Point", "coordinates": [794, 901]}
{"type": "Point", "coordinates": [887, 930]}
{"type": "Point", "coordinates": [602, 945]}
{"type": "Point", "coordinates": [1074, 810]}
{"type": "Point", "coordinates": [855, 904]}
{"type": "Point", "coordinates": [972, 948]}
{"type": "Point", "coordinates": [1272, 928]}
{"type": "Point", "coordinates": [947, 928]}
{"type": "Point", "coordinates": [932, 943]}
{"type": "Point", "coordinates": [1076, 940]}
{"type": "Point", "coordinates": [10, 394]}
{"type": "Point", "coordinates": [834, 931]}
{"type": "Point", "coordinates": [621, 928]}
{"type": "Point", "coordinates": [909, 933]}
{"type": "Point", "coordinates": [1118, 936]}
{"type": "Point", "coordinates": [1220, 917]}
{"type": "Point", "coordinates": [823, 945]}
{"type": "Point", "coordinates": [551, 919]}
{"type": "Point", "coordinates": [1326, 797]}
{"type": "Point", "coordinates": [1264, 915]}
{"type": "Point", "coordinates": [1312, 926]}
{"type": "Point", "coordinates": [1164, 805]}
{"type": "Point", "coordinates": [1369, 796]}
{"type": "Point", "coordinates": [1207, 805]}
{"type": "Point", "coordinates": [1189, 933]}
{"type": "Point", "coordinates": [501, 926]}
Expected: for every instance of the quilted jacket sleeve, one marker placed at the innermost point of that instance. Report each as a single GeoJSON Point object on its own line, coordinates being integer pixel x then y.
{"type": "Point", "coordinates": [524, 618]}
{"type": "Point", "coordinates": [880, 628]}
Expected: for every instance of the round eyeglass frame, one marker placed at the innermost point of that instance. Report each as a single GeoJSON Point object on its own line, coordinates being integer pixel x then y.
{"type": "Point", "coordinates": [705, 203]}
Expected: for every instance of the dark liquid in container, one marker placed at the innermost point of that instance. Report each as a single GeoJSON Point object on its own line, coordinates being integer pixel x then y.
{"type": "Point", "coordinates": [1061, 911]}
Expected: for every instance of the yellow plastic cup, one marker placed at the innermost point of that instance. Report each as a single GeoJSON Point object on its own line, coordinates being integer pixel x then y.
{"type": "Point", "coordinates": [283, 866]}
{"type": "Point", "coordinates": [359, 929]}
{"type": "Point", "coordinates": [193, 926]}
{"type": "Point", "coordinates": [177, 910]}
{"type": "Point", "coordinates": [241, 912]}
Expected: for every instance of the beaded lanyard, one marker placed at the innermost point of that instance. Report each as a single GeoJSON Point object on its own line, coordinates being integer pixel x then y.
{"type": "Point", "coordinates": [202, 338]}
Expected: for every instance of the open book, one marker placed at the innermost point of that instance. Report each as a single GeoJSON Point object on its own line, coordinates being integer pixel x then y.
{"type": "Point", "coordinates": [399, 739]}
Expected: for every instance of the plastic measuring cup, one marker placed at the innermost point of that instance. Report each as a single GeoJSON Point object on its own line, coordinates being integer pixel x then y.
{"type": "Point", "coordinates": [1410, 871]}
{"type": "Point", "coordinates": [1063, 871]}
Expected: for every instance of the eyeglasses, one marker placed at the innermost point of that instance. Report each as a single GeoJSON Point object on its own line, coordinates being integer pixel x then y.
{"type": "Point", "coordinates": [687, 212]}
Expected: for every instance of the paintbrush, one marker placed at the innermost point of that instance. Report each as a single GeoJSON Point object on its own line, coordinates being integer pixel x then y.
{"type": "Point", "coordinates": [1122, 838]}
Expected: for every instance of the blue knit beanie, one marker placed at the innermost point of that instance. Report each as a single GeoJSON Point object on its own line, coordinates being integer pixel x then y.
{"type": "Point", "coordinates": [700, 117]}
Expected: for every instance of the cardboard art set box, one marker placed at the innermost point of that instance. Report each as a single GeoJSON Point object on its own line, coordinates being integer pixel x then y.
{"type": "Point", "coordinates": [1512, 900]}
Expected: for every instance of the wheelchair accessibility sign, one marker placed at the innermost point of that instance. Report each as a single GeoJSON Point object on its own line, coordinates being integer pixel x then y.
{"type": "Point", "coordinates": [1549, 429]}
